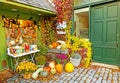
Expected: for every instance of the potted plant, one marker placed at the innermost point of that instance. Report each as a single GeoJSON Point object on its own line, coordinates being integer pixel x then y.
{"type": "Point", "coordinates": [75, 57]}
{"type": "Point", "coordinates": [26, 69]}
{"type": "Point", "coordinates": [62, 58]}
{"type": "Point", "coordinates": [41, 56]}
{"type": "Point", "coordinates": [77, 53]}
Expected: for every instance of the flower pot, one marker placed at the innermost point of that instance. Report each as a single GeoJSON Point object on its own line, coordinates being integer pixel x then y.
{"type": "Point", "coordinates": [27, 76]}
{"type": "Point", "coordinates": [75, 60]}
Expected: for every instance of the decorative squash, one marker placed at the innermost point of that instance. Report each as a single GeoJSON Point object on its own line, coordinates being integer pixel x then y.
{"type": "Point", "coordinates": [69, 67]}
{"type": "Point", "coordinates": [53, 71]}
{"type": "Point", "coordinates": [47, 68]}
{"type": "Point", "coordinates": [59, 68]}
{"type": "Point", "coordinates": [39, 70]}
{"type": "Point", "coordinates": [35, 74]}
{"type": "Point", "coordinates": [43, 73]}
{"type": "Point", "coordinates": [52, 64]}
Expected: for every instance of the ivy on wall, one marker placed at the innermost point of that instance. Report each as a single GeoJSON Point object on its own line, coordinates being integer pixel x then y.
{"type": "Point", "coordinates": [47, 30]}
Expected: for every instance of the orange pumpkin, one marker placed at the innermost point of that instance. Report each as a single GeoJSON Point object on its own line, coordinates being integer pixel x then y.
{"type": "Point", "coordinates": [54, 44]}
{"type": "Point", "coordinates": [52, 64]}
{"type": "Point", "coordinates": [47, 69]}
{"type": "Point", "coordinates": [59, 68]}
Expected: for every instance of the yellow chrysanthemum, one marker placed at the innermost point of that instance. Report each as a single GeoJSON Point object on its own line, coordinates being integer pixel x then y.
{"type": "Point", "coordinates": [26, 67]}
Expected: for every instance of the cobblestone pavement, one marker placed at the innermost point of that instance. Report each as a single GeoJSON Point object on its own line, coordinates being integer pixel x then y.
{"type": "Point", "coordinates": [80, 75]}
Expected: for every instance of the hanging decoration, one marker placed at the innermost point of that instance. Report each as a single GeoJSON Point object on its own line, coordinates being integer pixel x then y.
{"type": "Point", "coordinates": [64, 13]}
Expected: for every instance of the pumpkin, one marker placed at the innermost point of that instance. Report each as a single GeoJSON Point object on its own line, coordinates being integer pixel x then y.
{"type": "Point", "coordinates": [52, 64]}
{"type": "Point", "coordinates": [54, 44]}
{"type": "Point", "coordinates": [59, 68]}
{"type": "Point", "coordinates": [47, 68]}
{"type": "Point", "coordinates": [43, 73]}
{"type": "Point", "coordinates": [69, 67]}
{"type": "Point", "coordinates": [53, 71]}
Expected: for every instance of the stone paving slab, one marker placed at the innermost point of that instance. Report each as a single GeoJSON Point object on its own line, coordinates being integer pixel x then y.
{"type": "Point", "coordinates": [80, 75]}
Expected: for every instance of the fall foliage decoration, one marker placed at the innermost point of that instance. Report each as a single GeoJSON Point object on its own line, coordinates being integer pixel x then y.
{"type": "Point", "coordinates": [64, 9]}
{"type": "Point", "coordinates": [47, 30]}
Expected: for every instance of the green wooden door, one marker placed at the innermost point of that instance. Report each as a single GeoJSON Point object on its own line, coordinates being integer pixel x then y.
{"type": "Point", "coordinates": [105, 33]}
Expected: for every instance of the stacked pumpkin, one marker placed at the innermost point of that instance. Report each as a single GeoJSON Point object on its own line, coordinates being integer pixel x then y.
{"type": "Point", "coordinates": [52, 68]}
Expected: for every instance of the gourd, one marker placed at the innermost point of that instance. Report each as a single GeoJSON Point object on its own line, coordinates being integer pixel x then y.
{"type": "Point", "coordinates": [39, 70]}
{"type": "Point", "coordinates": [12, 42]}
{"type": "Point", "coordinates": [47, 68]}
{"type": "Point", "coordinates": [69, 67]}
{"type": "Point", "coordinates": [52, 64]}
{"type": "Point", "coordinates": [43, 73]}
{"type": "Point", "coordinates": [53, 71]}
{"type": "Point", "coordinates": [36, 73]}
{"type": "Point", "coordinates": [59, 68]}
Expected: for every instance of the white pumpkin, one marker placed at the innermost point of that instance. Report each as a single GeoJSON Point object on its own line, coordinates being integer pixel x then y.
{"type": "Point", "coordinates": [52, 64]}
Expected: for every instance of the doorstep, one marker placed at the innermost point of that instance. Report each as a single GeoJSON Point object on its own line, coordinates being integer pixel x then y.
{"type": "Point", "coordinates": [105, 65]}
